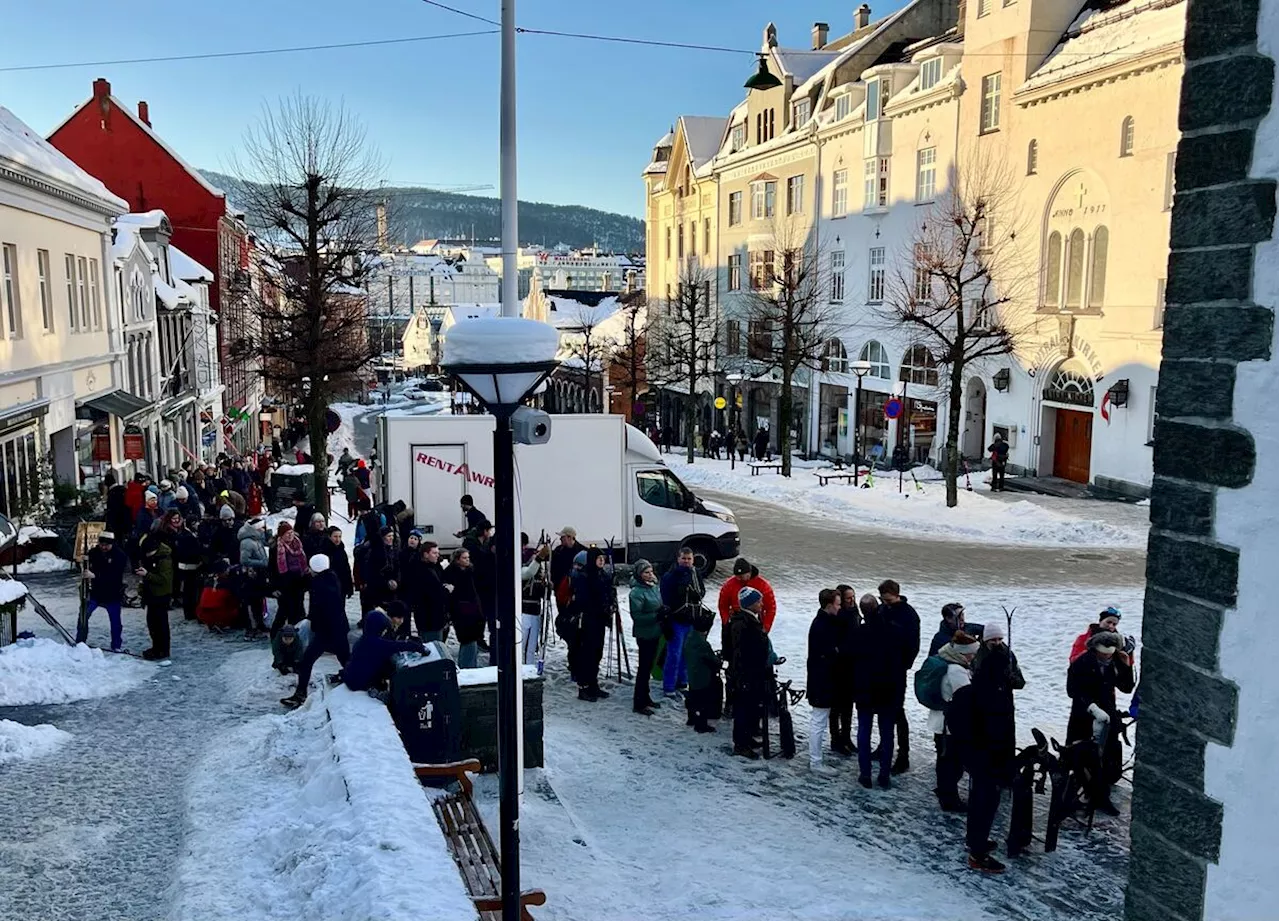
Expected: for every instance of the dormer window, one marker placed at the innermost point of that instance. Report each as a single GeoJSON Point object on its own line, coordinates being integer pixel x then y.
{"type": "Point", "coordinates": [930, 73]}
{"type": "Point", "coordinates": [800, 112]}
{"type": "Point", "coordinates": [878, 91]}
{"type": "Point", "coordinates": [844, 104]}
{"type": "Point", "coordinates": [738, 137]}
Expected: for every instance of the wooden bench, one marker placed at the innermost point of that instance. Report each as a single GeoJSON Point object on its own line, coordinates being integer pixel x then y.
{"type": "Point", "coordinates": [757, 466]}
{"type": "Point", "coordinates": [470, 844]}
{"type": "Point", "coordinates": [826, 476]}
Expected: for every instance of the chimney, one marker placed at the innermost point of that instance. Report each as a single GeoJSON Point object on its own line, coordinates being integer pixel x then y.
{"type": "Point", "coordinates": [862, 17]}
{"type": "Point", "coordinates": [101, 95]}
{"type": "Point", "coordinates": [381, 213]}
{"type": "Point", "coordinates": [820, 30]}
{"type": "Point", "coordinates": [144, 114]}
{"type": "Point", "coordinates": [631, 281]}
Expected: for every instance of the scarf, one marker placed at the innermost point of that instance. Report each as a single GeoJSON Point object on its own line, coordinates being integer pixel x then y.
{"type": "Point", "coordinates": [949, 653]}
{"type": "Point", "coordinates": [289, 554]}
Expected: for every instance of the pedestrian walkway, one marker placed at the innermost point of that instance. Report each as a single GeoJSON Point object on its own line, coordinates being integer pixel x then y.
{"type": "Point", "coordinates": [96, 830]}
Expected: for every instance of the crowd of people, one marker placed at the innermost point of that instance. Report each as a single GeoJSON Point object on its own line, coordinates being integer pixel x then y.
{"type": "Point", "coordinates": [201, 543]}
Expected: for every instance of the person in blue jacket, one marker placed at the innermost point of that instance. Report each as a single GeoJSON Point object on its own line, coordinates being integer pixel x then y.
{"type": "Point", "coordinates": [329, 626]}
{"type": "Point", "coordinates": [682, 593]}
{"type": "Point", "coordinates": [370, 662]}
{"type": "Point", "coordinates": [952, 620]}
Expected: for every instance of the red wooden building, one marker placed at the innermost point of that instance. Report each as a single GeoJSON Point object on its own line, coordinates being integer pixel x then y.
{"type": "Point", "coordinates": [118, 146]}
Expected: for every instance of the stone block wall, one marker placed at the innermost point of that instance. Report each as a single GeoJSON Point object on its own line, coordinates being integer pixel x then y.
{"type": "Point", "coordinates": [480, 723]}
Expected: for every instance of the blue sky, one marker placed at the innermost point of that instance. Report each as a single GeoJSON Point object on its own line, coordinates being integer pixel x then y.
{"type": "Point", "coordinates": [588, 111]}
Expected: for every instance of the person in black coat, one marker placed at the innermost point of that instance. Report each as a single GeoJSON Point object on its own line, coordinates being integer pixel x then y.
{"type": "Point", "coordinates": [841, 719]}
{"type": "Point", "coordinates": [561, 565]}
{"type": "Point", "coordinates": [761, 443]}
{"type": "Point", "coordinates": [981, 720]}
{"type": "Point", "coordinates": [430, 603]}
{"type": "Point", "coordinates": [224, 541]}
{"type": "Point", "coordinates": [189, 557]}
{"type": "Point", "coordinates": [820, 671]}
{"type": "Point", "coordinates": [952, 620]}
{"type": "Point", "coordinates": [465, 612]}
{"type": "Point", "coordinates": [594, 598]}
{"type": "Point", "coordinates": [377, 565]}
{"type": "Point", "coordinates": [903, 618]}
{"type": "Point", "coordinates": [410, 568]}
{"type": "Point", "coordinates": [998, 451]}
{"type": "Point", "coordinates": [750, 672]}
{"type": "Point", "coordinates": [105, 568]}
{"type": "Point", "coordinates": [339, 562]}
{"type": "Point", "coordinates": [117, 518]}
{"type": "Point", "coordinates": [329, 626]}
{"type": "Point", "coordinates": [879, 685]}
{"type": "Point", "coordinates": [1092, 682]}
{"type": "Point", "coordinates": [480, 544]}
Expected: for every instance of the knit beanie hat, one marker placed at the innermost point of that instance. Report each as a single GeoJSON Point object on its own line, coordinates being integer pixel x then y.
{"type": "Point", "coordinates": [994, 631]}
{"type": "Point", "coordinates": [181, 493]}
{"type": "Point", "coordinates": [226, 513]}
{"type": "Point", "coordinates": [741, 567]}
{"type": "Point", "coordinates": [641, 566]}
{"type": "Point", "coordinates": [749, 596]}
{"type": "Point", "coordinates": [319, 563]}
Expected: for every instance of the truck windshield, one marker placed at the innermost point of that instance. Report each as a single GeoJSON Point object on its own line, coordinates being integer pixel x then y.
{"type": "Point", "coordinates": [662, 489]}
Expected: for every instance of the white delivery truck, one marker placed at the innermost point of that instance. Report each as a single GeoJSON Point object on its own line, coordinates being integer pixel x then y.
{"type": "Point", "coordinates": [598, 474]}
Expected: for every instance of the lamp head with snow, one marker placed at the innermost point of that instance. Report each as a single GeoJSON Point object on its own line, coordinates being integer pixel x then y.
{"type": "Point", "coordinates": [501, 360]}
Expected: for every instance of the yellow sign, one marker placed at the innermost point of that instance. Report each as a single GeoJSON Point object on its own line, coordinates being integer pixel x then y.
{"type": "Point", "coordinates": [87, 537]}
{"type": "Point", "coordinates": [720, 403]}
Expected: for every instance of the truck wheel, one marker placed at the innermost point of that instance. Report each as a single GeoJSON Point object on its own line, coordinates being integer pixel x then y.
{"type": "Point", "coordinates": [704, 557]}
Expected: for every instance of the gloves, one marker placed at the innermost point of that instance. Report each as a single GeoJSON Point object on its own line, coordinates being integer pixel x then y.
{"type": "Point", "coordinates": [1099, 714]}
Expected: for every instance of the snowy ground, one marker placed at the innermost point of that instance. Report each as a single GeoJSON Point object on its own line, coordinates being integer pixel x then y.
{"type": "Point", "coordinates": [18, 741]}
{"type": "Point", "coordinates": [48, 671]}
{"type": "Point", "coordinates": [920, 508]}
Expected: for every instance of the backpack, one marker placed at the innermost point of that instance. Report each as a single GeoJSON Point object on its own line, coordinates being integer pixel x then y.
{"type": "Point", "coordinates": [929, 683]}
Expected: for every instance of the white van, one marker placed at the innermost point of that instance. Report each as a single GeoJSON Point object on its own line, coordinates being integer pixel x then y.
{"type": "Point", "coordinates": [601, 476]}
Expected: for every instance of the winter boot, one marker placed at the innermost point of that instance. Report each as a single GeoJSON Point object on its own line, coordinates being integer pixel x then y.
{"type": "Point", "coordinates": [293, 701]}
{"type": "Point", "coordinates": [643, 710]}
{"type": "Point", "coordinates": [985, 863]}
{"type": "Point", "coordinates": [901, 764]}
{"type": "Point", "coordinates": [585, 693]}
{"type": "Point", "coordinates": [822, 770]}
{"type": "Point", "coordinates": [600, 694]}
{"type": "Point", "coordinates": [749, 753]}
{"type": "Point", "coordinates": [883, 781]}
{"type": "Point", "coordinates": [865, 780]}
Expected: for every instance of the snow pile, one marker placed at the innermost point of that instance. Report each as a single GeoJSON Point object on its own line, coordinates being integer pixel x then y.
{"type": "Point", "coordinates": [315, 815]}
{"type": "Point", "coordinates": [44, 671]}
{"type": "Point", "coordinates": [44, 561]}
{"type": "Point", "coordinates": [489, 675]}
{"type": "Point", "coordinates": [920, 510]}
{"type": "Point", "coordinates": [296, 469]}
{"type": "Point", "coordinates": [20, 742]}
{"type": "Point", "coordinates": [11, 591]}
{"type": "Point", "coordinates": [29, 532]}
{"type": "Point", "coordinates": [22, 146]}
{"type": "Point", "coordinates": [502, 340]}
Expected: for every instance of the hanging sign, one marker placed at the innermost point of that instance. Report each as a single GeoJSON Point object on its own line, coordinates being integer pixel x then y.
{"type": "Point", "coordinates": [102, 447]}
{"type": "Point", "coordinates": [720, 403]}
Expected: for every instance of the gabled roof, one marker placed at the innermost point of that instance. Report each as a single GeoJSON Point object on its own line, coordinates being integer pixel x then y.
{"type": "Point", "coordinates": [26, 152]}
{"type": "Point", "coordinates": [186, 268]}
{"type": "Point", "coordinates": [1101, 38]}
{"type": "Point", "coordinates": [146, 129]}
{"type": "Point", "coordinates": [801, 64]}
{"type": "Point", "coordinates": [702, 136]}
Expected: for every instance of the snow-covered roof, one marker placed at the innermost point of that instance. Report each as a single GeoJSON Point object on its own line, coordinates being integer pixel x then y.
{"type": "Point", "coordinates": [1102, 38]}
{"type": "Point", "coordinates": [456, 313]}
{"type": "Point", "coordinates": [801, 64]}
{"type": "Point", "coordinates": [146, 129]}
{"type": "Point", "coordinates": [186, 268]}
{"type": "Point", "coordinates": [702, 136]}
{"type": "Point", "coordinates": [27, 152]}
{"type": "Point", "coordinates": [565, 313]}
{"type": "Point", "coordinates": [830, 65]}
{"type": "Point", "coordinates": [144, 220]}
{"type": "Point", "coordinates": [126, 238]}
{"type": "Point", "coordinates": [176, 295]}
{"type": "Point", "coordinates": [666, 140]}
{"type": "Point", "coordinates": [658, 166]}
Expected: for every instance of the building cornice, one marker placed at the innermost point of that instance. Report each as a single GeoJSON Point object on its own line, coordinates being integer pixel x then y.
{"type": "Point", "coordinates": [48, 188]}
{"type": "Point", "coordinates": [1157, 58]}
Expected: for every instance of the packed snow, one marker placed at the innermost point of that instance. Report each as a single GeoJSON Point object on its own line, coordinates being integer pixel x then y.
{"type": "Point", "coordinates": [22, 146]}
{"type": "Point", "coordinates": [29, 532]}
{"type": "Point", "coordinates": [920, 510]}
{"type": "Point", "coordinates": [45, 671]}
{"type": "Point", "coordinates": [44, 561]}
{"type": "Point", "coordinates": [11, 591]}
{"type": "Point", "coordinates": [20, 742]}
{"type": "Point", "coordinates": [314, 815]}
{"type": "Point", "coordinates": [500, 340]}
{"type": "Point", "coordinates": [296, 469]}
{"type": "Point", "coordinates": [489, 675]}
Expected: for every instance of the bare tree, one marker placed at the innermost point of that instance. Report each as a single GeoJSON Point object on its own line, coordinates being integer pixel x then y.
{"type": "Point", "coordinates": [682, 339]}
{"type": "Point", "coordinates": [956, 284]}
{"type": "Point", "coordinates": [790, 316]}
{"type": "Point", "coordinates": [628, 367]}
{"type": "Point", "coordinates": [310, 189]}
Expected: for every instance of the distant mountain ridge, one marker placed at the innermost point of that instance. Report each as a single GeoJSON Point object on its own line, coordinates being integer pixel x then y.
{"type": "Point", "coordinates": [426, 214]}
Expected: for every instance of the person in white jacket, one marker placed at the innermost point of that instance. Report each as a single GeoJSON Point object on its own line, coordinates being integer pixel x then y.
{"type": "Point", "coordinates": [958, 654]}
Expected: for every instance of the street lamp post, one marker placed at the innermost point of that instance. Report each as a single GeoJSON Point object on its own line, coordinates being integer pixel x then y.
{"type": "Point", "coordinates": [860, 368]}
{"type": "Point", "coordinates": [501, 362]}
{"type": "Point", "coordinates": [734, 378]}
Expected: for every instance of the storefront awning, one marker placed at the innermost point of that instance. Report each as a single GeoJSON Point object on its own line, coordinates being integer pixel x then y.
{"type": "Point", "coordinates": [118, 403]}
{"type": "Point", "coordinates": [22, 413]}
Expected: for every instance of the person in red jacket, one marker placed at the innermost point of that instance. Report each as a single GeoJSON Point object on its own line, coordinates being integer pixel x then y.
{"type": "Point", "coordinates": [1108, 622]}
{"type": "Point", "coordinates": [747, 576]}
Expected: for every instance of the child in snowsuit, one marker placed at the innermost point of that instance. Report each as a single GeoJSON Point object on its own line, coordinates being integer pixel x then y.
{"type": "Point", "coordinates": [370, 664]}
{"type": "Point", "coordinates": [705, 700]}
{"type": "Point", "coordinates": [286, 650]}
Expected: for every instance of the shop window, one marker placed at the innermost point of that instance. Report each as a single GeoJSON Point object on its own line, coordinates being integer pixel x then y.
{"type": "Point", "coordinates": [918, 367]}
{"type": "Point", "coordinates": [875, 353]}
